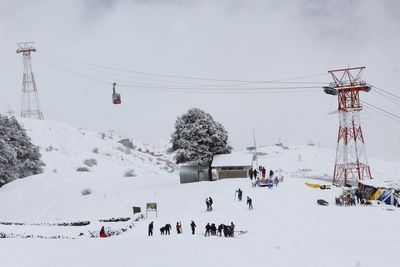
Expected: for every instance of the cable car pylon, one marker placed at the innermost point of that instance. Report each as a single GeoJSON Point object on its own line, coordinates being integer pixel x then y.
{"type": "Point", "coordinates": [351, 157]}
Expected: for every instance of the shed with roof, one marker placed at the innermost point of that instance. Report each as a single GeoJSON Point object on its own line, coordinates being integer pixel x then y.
{"type": "Point", "coordinates": [233, 165]}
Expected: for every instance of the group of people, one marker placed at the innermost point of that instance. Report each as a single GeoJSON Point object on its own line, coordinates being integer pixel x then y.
{"type": "Point", "coordinates": [211, 229]}
{"type": "Point", "coordinates": [353, 197]}
{"type": "Point", "coordinates": [227, 230]}
{"type": "Point", "coordinates": [249, 201]}
{"type": "Point", "coordinates": [166, 230]}
{"type": "Point", "coordinates": [253, 173]}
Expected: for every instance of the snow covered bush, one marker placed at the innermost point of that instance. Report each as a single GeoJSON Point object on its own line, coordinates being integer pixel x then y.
{"type": "Point", "coordinates": [19, 158]}
{"type": "Point", "coordinates": [130, 173]}
{"type": "Point", "coordinates": [90, 162]}
{"type": "Point", "coordinates": [197, 138]}
{"type": "Point", "coordinates": [82, 169]}
{"type": "Point", "coordinates": [86, 191]}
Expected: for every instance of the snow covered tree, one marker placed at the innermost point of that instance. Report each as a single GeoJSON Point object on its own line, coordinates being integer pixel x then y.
{"type": "Point", "coordinates": [18, 156]}
{"type": "Point", "coordinates": [197, 138]}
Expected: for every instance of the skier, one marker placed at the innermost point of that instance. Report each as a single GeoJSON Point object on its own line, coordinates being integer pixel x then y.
{"type": "Point", "coordinates": [193, 227]}
{"type": "Point", "coordinates": [250, 203]}
{"type": "Point", "coordinates": [178, 228]}
{"type": "Point", "coordinates": [251, 173]}
{"type": "Point", "coordinates": [210, 201]}
{"type": "Point", "coordinates": [151, 227]}
{"type": "Point", "coordinates": [102, 232]}
{"type": "Point", "coordinates": [208, 228]}
{"type": "Point", "coordinates": [239, 192]}
{"type": "Point", "coordinates": [167, 229]}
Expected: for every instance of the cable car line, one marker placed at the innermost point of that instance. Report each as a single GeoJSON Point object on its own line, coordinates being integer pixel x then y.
{"type": "Point", "coordinates": [394, 100]}
{"type": "Point", "coordinates": [184, 77]}
{"type": "Point", "coordinates": [197, 86]}
{"type": "Point", "coordinates": [181, 88]}
{"type": "Point", "coordinates": [387, 92]}
{"type": "Point", "coordinates": [382, 110]}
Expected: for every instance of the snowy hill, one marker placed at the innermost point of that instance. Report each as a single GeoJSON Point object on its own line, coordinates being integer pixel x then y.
{"type": "Point", "coordinates": [286, 227]}
{"type": "Point", "coordinates": [65, 148]}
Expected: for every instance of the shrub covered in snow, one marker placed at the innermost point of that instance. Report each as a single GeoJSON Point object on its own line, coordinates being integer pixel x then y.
{"type": "Point", "coordinates": [82, 169]}
{"type": "Point", "coordinates": [90, 162]}
{"type": "Point", "coordinates": [86, 191]}
{"type": "Point", "coordinates": [19, 158]}
{"type": "Point", "coordinates": [130, 173]}
{"type": "Point", "coordinates": [197, 138]}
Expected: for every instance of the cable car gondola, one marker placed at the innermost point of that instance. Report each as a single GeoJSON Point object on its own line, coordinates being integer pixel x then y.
{"type": "Point", "coordinates": [116, 98]}
{"type": "Point", "coordinates": [330, 90]}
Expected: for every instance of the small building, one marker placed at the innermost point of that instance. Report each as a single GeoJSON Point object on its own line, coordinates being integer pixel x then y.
{"type": "Point", "coordinates": [194, 173]}
{"type": "Point", "coordinates": [234, 165]}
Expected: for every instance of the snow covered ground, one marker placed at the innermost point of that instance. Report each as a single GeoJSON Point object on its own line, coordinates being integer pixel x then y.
{"type": "Point", "coordinates": [285, 228]}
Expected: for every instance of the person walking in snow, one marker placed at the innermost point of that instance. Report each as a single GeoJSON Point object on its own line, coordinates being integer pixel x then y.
{"type": "Point", "coordinates": [220, 228]}
{"type": "Point", "coordinates": [208, 204]}
{"type": "Point", "coordinates": [239, 192]}
{"type": "Point", "coordinates": [213, 229]}
{"type": "Point", "coordinates": [210, 201]}
{"type": "Point", "coordinates": [151, 227]}
{"type": "Point", "coordinates": [232, 229]}
{"type": "Point", "coordinates": [263, 172]}
{"type": "Point", "coordinates": [251, 173]}
{"type": "Point", "coordinates": [193, 227]}
{"type": "Point", "coordinates": [271, 173]}
{"type": "Point", "coordinates": [276, 180]}
{"type": "Point", "coordinates": [208, 229]}
{"type": "Point", "coordinates": [255, 173]}
{"type": "Point", "coordinates": [250, 203]}
{"type": "Point", "coordinates": [178, 228]}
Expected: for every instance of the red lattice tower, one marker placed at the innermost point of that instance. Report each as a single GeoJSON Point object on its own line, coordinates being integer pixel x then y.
{"type": "Point", "coordinates": [351, 157]}
{"type": "Point", "coordinates": [30, 107]}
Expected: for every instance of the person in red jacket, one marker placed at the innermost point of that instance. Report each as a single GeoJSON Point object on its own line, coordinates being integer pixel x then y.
{"type": "Point", "coordinates": [102, 232]}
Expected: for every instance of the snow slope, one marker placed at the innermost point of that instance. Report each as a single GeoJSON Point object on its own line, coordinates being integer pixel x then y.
{"type": "Point", "coordinates": [286, 227]}
{"type": "Point", "coordinates": [64, 148]}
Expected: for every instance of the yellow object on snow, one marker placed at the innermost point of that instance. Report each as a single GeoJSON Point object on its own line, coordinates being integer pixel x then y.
{"type": "Point", "coordinates": [313, 185]}
{"type": "Point", "coordinates": [320, 186]}
{"type": "Point", "coordinates": [377, 194]}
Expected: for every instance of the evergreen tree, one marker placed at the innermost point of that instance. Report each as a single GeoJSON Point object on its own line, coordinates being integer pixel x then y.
{"type": "Point", "coordinates": [197, 138]}
{"type": "Point", "coordinates": [19, 158]}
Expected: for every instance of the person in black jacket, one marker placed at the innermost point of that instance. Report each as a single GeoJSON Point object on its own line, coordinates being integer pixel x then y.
{"type": "Point", "coordinates": [167, 229]}
{"type": "Point", "coordinates": [208, 228]}
{"type": "Point", "coordinates": [220, 228]}
{"type": "Point", "coordinates": [193, 227]}
{"type": "Point", "coordinates": [151, 227]}
{"type": "Point", "coordinates": [250, 203]}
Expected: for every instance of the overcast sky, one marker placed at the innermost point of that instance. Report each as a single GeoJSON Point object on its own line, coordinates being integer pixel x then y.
{"type": "Point", "coordinates": [246, 40]}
